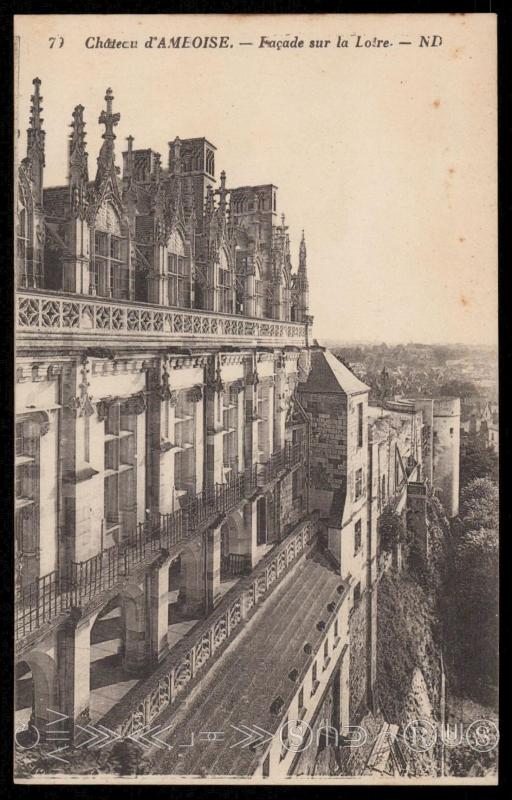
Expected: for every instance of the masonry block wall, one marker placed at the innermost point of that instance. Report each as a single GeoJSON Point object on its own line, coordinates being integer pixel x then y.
{"type": "Point", "coordinates": [358, 659]}
{"type": "Point", "coordinates": [292, 501]}
{"type": "Point", "coordinates": [328, 454]}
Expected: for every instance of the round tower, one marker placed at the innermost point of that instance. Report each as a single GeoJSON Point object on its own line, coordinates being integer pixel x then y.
{"type": "Point", "coordinates": [446, 446]}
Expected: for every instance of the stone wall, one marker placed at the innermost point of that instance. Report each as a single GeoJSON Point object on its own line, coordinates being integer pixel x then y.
{"type": "Point", "coordinates": [328, 440]}
{"type": "Point", "coordinates": [317, 758]}
{"type": "Point", "coordinates": [292, 509]}
{"type": "Point", "coordinates": [358, 659]}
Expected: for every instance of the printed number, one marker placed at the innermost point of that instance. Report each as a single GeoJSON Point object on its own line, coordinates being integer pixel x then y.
{"type": "Point", "coordinates": [58, 39]}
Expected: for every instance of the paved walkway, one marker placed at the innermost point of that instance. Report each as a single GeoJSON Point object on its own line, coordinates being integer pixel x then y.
{"type": "Point", "coordinates": [252, 675]}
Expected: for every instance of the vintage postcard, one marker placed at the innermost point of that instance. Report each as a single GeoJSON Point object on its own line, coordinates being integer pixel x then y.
{"type": "Point", "coordinates": [257, 415]}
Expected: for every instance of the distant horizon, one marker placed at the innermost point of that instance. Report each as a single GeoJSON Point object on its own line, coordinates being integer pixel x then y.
{"type": "Point", "coordinates": [375, 342]}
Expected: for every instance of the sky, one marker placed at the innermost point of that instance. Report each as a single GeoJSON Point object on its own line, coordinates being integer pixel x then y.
{"type": "Point", "coordinates": [386, 157]}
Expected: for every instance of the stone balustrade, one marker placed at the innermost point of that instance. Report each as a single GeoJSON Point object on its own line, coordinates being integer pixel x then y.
{"type": "Point", "coordinates": [192, 656]}
{"type": "Point", "coordinates": [81, 319]}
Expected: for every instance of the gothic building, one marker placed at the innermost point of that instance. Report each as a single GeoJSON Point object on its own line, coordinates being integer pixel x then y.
{"type": "Point", "coordinates": [154, 234]}
{"type": "Point", "coordinates": [196, 484]}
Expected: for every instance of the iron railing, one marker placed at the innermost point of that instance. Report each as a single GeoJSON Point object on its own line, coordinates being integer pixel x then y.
{"type": "Point", "coordinates": [195, 653]}
{"type": "Point", "coordinates": [51, 595]}
{"type": "Point", "coordinates": [281, 461]}
{"type": "Point", "coordinates": [233, 565]}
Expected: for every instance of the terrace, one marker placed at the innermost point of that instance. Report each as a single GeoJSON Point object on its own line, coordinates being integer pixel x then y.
{"type": "Point", "coordinates": [45, 317]}
{"type": "Point", "coordinates": [53, 594]}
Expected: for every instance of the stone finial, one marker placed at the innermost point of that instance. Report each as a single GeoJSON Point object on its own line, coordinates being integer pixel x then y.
{"type": "Point", "coordinates": [78, 165]}
{"type": "Point", "coordinates": [106, 157]}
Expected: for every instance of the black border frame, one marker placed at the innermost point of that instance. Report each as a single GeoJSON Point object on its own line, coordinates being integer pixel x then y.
{"type": "Point", "coordinates": [502, 9]}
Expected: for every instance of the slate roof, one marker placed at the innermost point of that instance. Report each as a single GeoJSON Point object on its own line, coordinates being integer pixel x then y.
{"type": "Point", "coordinates": [56, 202]}
{"type": "Point", "coordinates": [328, 375]}
{"type": "Point", "coordinates": [240, 693]}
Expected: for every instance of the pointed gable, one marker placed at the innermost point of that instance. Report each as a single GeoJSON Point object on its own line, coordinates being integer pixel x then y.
{"type": "Point", "coordinates": [329, 376]}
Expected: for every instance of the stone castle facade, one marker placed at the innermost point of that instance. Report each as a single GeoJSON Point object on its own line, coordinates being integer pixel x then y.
{"type": "Point", "coordinates": [193, 476]}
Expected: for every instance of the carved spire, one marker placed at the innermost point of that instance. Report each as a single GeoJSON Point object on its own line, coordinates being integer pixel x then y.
{"type": "Point", "coordinates": [78, 168]}
{"type": "Point", "coordinates": [128, 162]}
{"type": "Point", "coordinates": [222, 192]}
{"type": "Point", "coordinates": [302, 258]}
{"type": "Point", "coordinates": [35, 143]}
{"type": "Point", "coordinates": [106, 158]}
{"type": "Point", "coordinates": [210, 203]}
{"type": "Point", "coordinates": [301, 285]}
{"type": "Point", "coordinates": [175, 164]}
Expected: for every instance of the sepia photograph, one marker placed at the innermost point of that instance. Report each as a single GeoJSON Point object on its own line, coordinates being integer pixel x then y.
{"type": "Point", "coordinates": [256, 399]}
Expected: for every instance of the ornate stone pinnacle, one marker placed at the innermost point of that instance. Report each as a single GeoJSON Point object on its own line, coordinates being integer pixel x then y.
{"type": "Point", "coordinates": [35, 111]}
{"type": "Point", "coordinates": [107, 118]}
{"type": "Point", "coordinates": [106, 157]}
{"type": "Point", "coordinates": [302, 254]}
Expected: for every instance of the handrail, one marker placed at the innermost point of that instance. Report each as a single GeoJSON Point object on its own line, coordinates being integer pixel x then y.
{"type": "Point", "coordinates": [55, 593]}
{"type": "Point", "coordinates": [147, 700]}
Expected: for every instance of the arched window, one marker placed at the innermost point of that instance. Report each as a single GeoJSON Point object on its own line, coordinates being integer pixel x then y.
{"type": "Point", "coordinates": [209, 162]}
{"type": "Point", "coordinates": [178, 272]}
{"type": "Point", "coordinates": [383, 489]}
{"type": "Point", "coordinates": [225, 285]}
{"type": "Point", "coordinates": [109, 272]}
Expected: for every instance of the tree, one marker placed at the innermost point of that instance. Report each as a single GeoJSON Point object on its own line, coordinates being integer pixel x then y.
{"type": "Point", "coordinates": [478, 461]}
{"type": "Point", "coordinates": [457, 388]}
{"type": "Point", "coordinates": [479, 505]}
{"type": "Point", "coordinates": [472, 591]}
{"type": "Point", "coordinates": [475, 573]}
{"type": "Point", "coordinates": [126, 758]}
{"type": "Point", "coordinates": [392, 531]}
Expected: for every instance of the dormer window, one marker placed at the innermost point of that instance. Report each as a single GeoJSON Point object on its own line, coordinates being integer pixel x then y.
{"type": "Point", "coordinates": [178, 273]}
{"type": "Point", "coordinates": [109, 276]}
{"type": "Point", "coordinates": [225, 285]}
